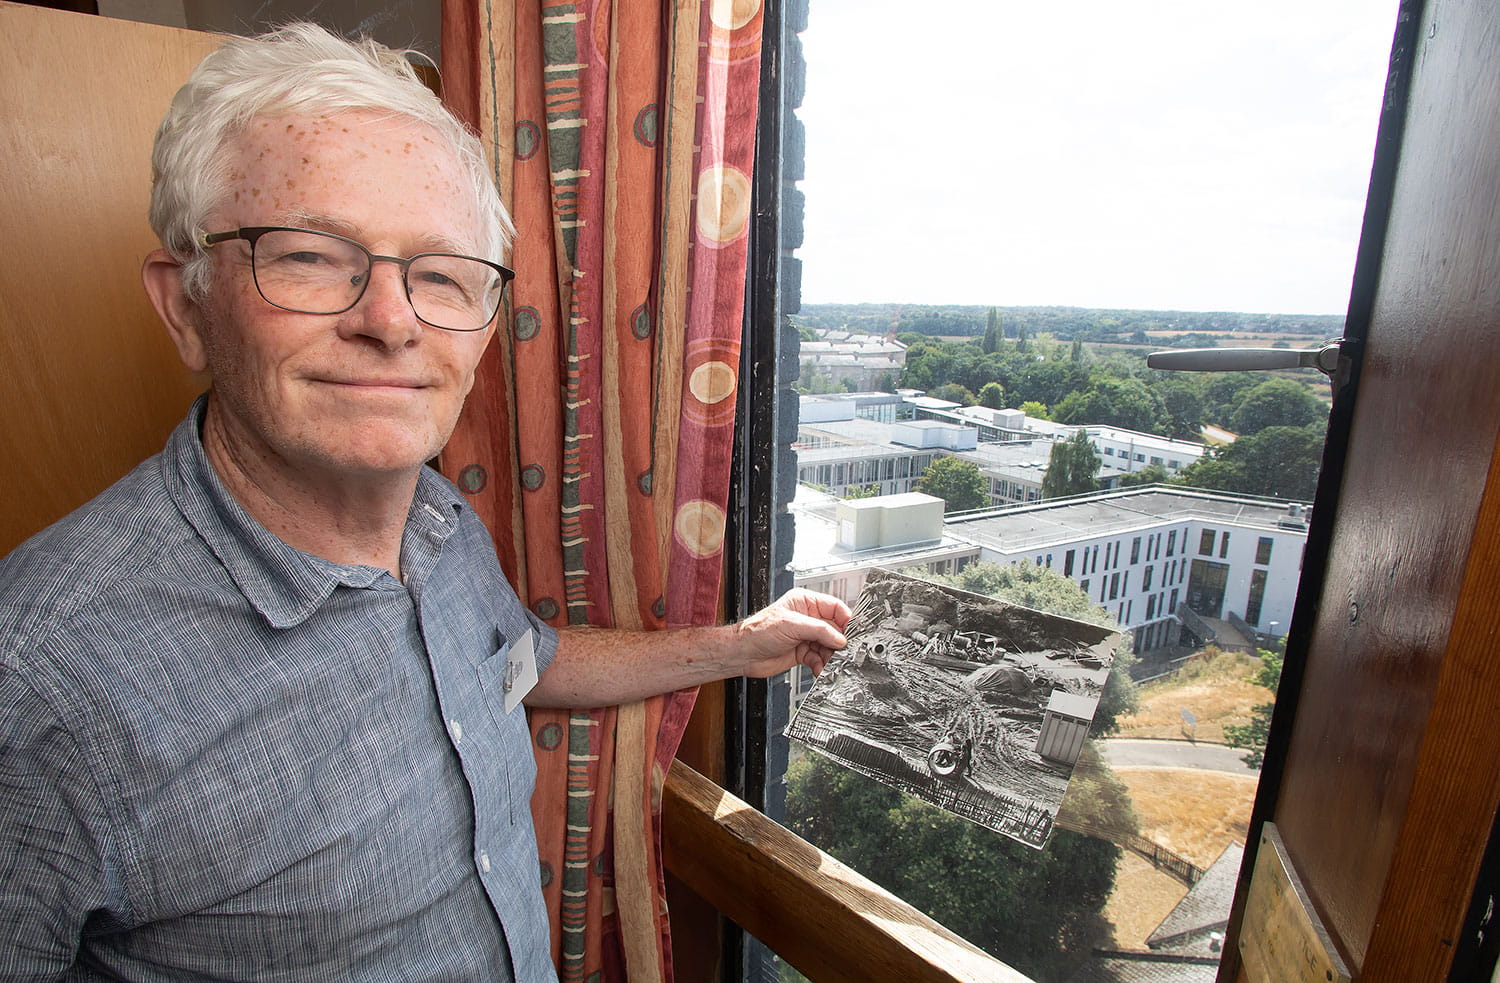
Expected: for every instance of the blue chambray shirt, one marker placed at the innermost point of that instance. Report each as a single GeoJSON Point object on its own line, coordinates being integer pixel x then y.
{"type": "Point", "coordinates": [225, 759]}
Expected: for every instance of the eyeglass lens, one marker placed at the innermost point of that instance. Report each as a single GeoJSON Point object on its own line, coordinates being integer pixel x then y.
{"type": "Point", "coordinates": [316, 273]}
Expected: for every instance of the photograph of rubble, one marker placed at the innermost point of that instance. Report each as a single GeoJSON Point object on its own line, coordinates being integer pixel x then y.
{"type": "Point", "coordinates": [977, 706]}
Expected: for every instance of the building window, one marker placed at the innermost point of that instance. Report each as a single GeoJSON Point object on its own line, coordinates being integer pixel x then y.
{"type": "Point", "coordinates": [1206, 543]}
{"type": "Point", "coordinates": [1114, 586]}
{"type": "Point", "coordinates": [1172, 604]}
{"type": "Point", "coordinates": [1083, 585]}
{"type": "Point", "coordinates": [1068, 564]}
{"type": "Point", "coordinates": [1224, 545]}
{"type": "Point", "coordinates": [1150, 607]}
{"type": "Point", "coordinates": [1172, 542]}
{"type": "Point", "coordinates": [1146, 581]}
{"type": "Point", "coordinates": [1135, 551]}
{"type": "Point", "coordinates": [1263, 550]}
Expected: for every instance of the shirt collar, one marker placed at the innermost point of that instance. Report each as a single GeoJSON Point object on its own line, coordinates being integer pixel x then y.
{"type": "Point", "coordinates": [285, 585]}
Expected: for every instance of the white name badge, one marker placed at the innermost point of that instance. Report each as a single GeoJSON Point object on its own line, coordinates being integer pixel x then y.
{"type": "Point", "coordinates": [520, 670]}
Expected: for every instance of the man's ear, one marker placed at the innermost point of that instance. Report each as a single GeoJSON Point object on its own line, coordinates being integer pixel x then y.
{"type": "Point", "coordinates": [162, 276]}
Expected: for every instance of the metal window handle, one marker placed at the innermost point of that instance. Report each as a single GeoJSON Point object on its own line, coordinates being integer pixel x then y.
{"type": "Point", "coordinates": [1324, 359]}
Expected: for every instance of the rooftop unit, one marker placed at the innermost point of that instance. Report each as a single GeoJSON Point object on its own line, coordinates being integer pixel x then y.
{"type": "Point", "coordinates": [889, 520]}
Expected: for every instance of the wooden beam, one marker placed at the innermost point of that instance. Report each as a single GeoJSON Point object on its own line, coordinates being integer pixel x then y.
{"type": "Point", "coordinates": [823, 918]}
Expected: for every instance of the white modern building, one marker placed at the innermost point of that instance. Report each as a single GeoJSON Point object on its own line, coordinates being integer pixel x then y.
{"type": "Point", "coordinates": [1155, 558]}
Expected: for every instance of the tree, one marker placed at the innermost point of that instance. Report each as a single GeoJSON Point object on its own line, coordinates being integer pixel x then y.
{"type": "Point", "coordinates": [861, 491]}
{"type": "Point", "coordinates": [1151, 474]}
{"type": "Point", "coordinates": [1252, 736]}
{"type": "Point", "coordinates": [1035, 909]}
{"type": "Point", "coordinates": [1183, 402]}
{"type": "Point", "coordinates": [1279, 462]}
{"type": "Point", "coordinates": [1072, 467]}
{"type": "Point", "coordinates": [960, 484]}
{"type": "Point", "coordinates": [992, 333]}
{"type": "Point", "coordinates": [1114, 402]}
{"type": "Point", "coordinates": [992, 394]}
{"type": "Point", "coordinates": [1035, 410]}
{"type": "Point", "coordinates": [1276, 403]}
{"type": "Point", "coordinates": [954, 393]}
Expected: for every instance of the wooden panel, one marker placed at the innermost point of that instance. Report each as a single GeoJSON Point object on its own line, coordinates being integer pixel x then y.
{"type": "Point", "coordinates": [825, 919]}
{"type": "Point", "coordinates": [1390, 783]}
{"type": "Point", "coordinates": [89, 382]}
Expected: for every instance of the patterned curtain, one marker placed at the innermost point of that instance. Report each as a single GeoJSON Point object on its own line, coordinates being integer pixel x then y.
{"type": "Point", "coordinates": [597, 441]}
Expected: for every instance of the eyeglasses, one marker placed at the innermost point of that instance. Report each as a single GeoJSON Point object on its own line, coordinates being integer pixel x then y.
{"type": "Point", "coordinates": [310, 272]}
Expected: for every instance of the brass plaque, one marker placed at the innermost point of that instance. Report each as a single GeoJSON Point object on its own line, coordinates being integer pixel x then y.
{"type": "Point", "coordinates": [1282, 940]}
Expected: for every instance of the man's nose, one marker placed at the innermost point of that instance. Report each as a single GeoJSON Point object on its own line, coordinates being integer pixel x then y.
{"type": "Point", "coordinates": [384, 313]}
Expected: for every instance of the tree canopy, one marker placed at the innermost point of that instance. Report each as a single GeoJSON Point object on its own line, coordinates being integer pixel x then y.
{"type": "Point", "coordinates": [1279, 462]}
{"type": "Point", "coordinates": [960, 484]}
{"type": "Point", "coordinates": [1072, 467]}
{"type": "Point", "coordinates": [1035, 909]}
{"type": "Point", "coordinates": [1276, 403]}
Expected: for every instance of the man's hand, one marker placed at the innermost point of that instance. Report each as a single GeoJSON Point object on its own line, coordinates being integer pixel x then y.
{"type": "Point", "coordinates": [801, 627]}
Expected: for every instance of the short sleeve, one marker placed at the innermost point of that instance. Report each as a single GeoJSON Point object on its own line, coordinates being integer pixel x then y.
{"type": "Point", "coordinates": [54, 838]}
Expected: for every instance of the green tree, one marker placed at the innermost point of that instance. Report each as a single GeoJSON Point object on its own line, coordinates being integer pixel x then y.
{"type": "Point", "coordinates": [1075, 355]}
{"type": "Point", "coordinates": [861, 491]}
{"type": "Point", "coordinates": [1276, 403]}
{"type": "Point", "coordinates": [955, 393]}
{"type": "Point", "coordinates": [1035, 410]}
{"type": "Point", "coordinates": [1072, 467]}
{"type": "Point", "coordinates": [1279, 462]}
{"type": "Point", "coordinates": [1114, 402]}
{"type": "Point", "coordinates": [1183, 402]}
{"type": "Point", "coordinates": [1252, 736]}
{"type": "Point", "coordinates": [960, 484]}
{"type": "Point", "coordinates": [1151, 474]}
{"type": "Point", "coordinates": [992, 394]}
{"type": "Point", "coordinates": [1035, 909]}
{"type": "Point", "coordinates": [992, 333]}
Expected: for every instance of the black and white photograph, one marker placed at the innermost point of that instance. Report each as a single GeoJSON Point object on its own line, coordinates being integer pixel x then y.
{"type": "Point", "coordinates": [977, 706]}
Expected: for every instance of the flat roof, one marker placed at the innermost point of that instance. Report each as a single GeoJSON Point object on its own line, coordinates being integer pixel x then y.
{"type": "Point", "coordinates": [1108, 513]}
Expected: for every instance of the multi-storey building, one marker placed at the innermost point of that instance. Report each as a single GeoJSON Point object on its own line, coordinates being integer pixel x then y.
{"type": "Point", "coordinates": [1152, 557]}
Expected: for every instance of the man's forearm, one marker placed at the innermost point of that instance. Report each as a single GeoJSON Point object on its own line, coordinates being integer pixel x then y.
{"type": "Point", "coordinates": [604, 667]}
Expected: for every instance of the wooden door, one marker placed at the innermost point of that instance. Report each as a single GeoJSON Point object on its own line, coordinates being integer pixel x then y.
{"type": "Point", "coordinates": [89, 382]}
{"type": "Point", "coordinates": [1383, 773]}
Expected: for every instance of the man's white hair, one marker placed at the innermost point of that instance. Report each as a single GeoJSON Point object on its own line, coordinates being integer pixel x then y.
{"type": "Point", "coordinates": [298, 70]}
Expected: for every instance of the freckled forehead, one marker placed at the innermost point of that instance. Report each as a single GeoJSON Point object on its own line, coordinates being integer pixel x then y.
{"type": "Point", "coordinates": [376, 171]}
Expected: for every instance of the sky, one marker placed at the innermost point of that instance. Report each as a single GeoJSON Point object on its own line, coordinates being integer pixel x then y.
{"type": "Point", "coordinates": [1193, 155]}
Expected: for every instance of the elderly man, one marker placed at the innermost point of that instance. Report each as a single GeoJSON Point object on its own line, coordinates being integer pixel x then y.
{"type": "Point", "coordinates": [262, 695]}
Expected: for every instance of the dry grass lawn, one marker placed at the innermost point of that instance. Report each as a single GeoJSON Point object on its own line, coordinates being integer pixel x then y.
{"type": "Point", "coordinates": [1142, 897]}
{"type": "Point", "coordinates": [1190, 812]}
{"type": "Point", "coordinates": [1213, 687]}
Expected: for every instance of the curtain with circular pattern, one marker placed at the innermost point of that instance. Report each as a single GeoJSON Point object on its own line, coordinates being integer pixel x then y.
{"type": "Point", "coordinates": [597, 441]}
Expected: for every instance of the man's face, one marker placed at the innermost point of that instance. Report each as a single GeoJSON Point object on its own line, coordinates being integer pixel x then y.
{"type": "Point", "coordinates": [369, 392]}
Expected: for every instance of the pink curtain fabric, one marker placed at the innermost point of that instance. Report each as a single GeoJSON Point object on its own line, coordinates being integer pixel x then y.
{"type": "Point", "coordinates": [597, 441]}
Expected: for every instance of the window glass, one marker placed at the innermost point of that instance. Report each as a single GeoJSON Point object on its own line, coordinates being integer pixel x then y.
{"type": "Point", "coordinates": [1040, 330]}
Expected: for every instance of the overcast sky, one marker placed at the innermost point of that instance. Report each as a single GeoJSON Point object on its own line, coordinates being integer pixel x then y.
{"type": "Point", "coordinates": [1171, 154]}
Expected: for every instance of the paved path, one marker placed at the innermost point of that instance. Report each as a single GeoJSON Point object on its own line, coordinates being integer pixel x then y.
{"type": "Point", "coordinates": [1126, 753]}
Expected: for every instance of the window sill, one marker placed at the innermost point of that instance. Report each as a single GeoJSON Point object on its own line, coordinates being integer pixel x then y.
{"type": "Point", "coordinates": [822, 917]}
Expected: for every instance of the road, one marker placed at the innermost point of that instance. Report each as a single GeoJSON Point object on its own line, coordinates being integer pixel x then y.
{"type": "Point", "coordinates": [1125, 753]}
